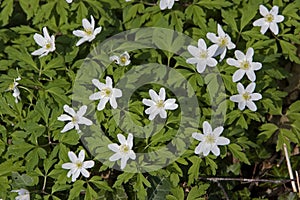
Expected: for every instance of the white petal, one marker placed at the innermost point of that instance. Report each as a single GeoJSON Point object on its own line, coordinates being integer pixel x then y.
{"type": "Point", "coordinates": [170, 104]}
{"type": "Point", "coordinates": [102, 103]}
{"type": "Point", "coordinates": [113, 102]}
{"type": "Point", "coordinates": [206, 128]}
{"type": "Point", "coordinates": [130, 140]}
{"type": "Point", "coordinates": [95, 96]}
{"type": "Point", "coordinates": [238, 75]}
{"type": "Point", "coordinates": [64, 117]}
{"type": "Point", "coordinates": [233, 62]}
{"type": "Point", "coordinates": [263, 10]}
{"type": "Point", "coordinates": [212, 37]}
{"type": "Point", "coordinates": [242, 105]}
{"type": "Point", "coordinates": [124, 162]}
{"type": "Point", "coordinates": [117, 92]}
{"type": "Point", "coordinates": [115, 157]}
{"type": "Point", "coordinates": [274, 10]}
{"type": "Point", "coordinates": [223, 54]}
{"type": "Point", "coordinates": [79, 33]}
{"type": "Point", "coordinates": [38, 52]}
{"type": "Point", "coordinates": [68, 165]}
{"type": "Point", "coordinates": [85, 173]}
{"type": "Point", "coordinates": [46, 34]}
{"type": "Point", "coordinates": [153, 114]}
{"type": "Point", "coordinates": [72, 156]}
{"type": "Point", "coordinates": [192, 60]}
{"type": "Point", "coordinates": [274, 28]}
{"type": "Point", "coordinates": [221, 33]}
{"type": "Point", "coordinates": [69, 110]}
{"type": "Point", "coordinates": [256, 66]}
{"type": "Point", "coordinates": [92, 22]}
{"type": "Point", "coordinates": [264, 28]}
{"type": "Point", "coordinates": [163, 113]}
{"type": "Point", "coordinates": [202, 44]}
{"type": "Point", "coordinates": [163, 4]}
{"type": "Point", "coordinates": [249, 54]}
{"type": "Point", "coordinates": [211, 62]}
{"type": "Point", "coordinates": [255, 96]}
{"type": "Point", "coordinates": [86, 25]}
{"type": "Point", "coordinates": [114, 147]}
{"type": "Point", "coordinates": [250, 88]}
{"type": "Point", "coordinates": [122, 139]}
{"type": "Point", "coordinates": [88, 164]}
{"type": "Point", "coordinates": [251, 75]}
{"type": "Point", "coordinates": [148, 102]}
{"type": "Point", "coordinates": [278, 18]}
{"type": "Point", "coordinates": [259, 22]}
{"type": "Point", "coordinates": [236, 98]}
{"type": "Point", "coordinates": [198, 136]}
{"type": "Point", "coordinates": [212, 50]}
{"type": "Point", "coordinates": [97, 30]}
{"type": "Point", "coordinates": [98, 84]}
{"type": "Point", "coordinates": [230, 45]}
{"type": "Point", "coordinates": [193, 50]}
{"type": "Point", "coordinates": [206, 149]}
{"type": "Point", "coordinates": [239, 55]}
{"type": "Point", "coordinates": [81, 155]}
{"type": "Point", "coordinates": [215, 150]}
{"type": "Point", "coordinates": [201, 66]}
{"type": "Point", "coordinates": [75, 175]}
{"type": "Point", "coordinates": [132, 155]}
{"type": "Point", "coordinates": [153, 95]}
{"type": "Point", "coordinates": [218, 131]}
{"type": "Point", "coordinates": [108, 82]}
{"type": "Point", "coordinates": [82, 110]}
{"type": "Point", "coordinates": [39, 39]}
{"type": "Point", "coordinates": [199, 149]}
{"type": "Point", "coordinates": [67, 127]}
{"type": "Point", "coordinates": [251, 105]}
{"type": "Point", "coordinates": [84, 120]}
{"type": "Point", "coordinates": [222, 141]}
{"type": "Point", "coordinates": [82, 40]}
{"type": "Point", "coordinates": [162, 94]}
{"type": "Point", "coordinates": [240, 88]}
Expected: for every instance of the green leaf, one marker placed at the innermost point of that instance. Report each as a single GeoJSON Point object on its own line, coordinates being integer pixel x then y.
{"type": "Point", "coordinates": [285, 136]}
{"type": "Point", "coordinates": [20, 181]}
{"type": "Point", "coordinates": [193, 171]}
{"type": "Point", "coordinates": [289, 50]}
{"type": "Point", "coordinates": [196, 192]}
{"type": "Point", "coordinates": [246, 15]}
{"type": "Point", "coordinates": [268, 130]}
{"type": "Point", "coordinates": [6, 11]}
{"type": "Point", "coordinates": [76, 189]}
{"type": "Point", "coordinates": [236, 151]}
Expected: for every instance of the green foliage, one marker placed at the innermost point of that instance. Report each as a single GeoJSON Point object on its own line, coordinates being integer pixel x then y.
{"type": "Point", "coordinates": [33, 149]}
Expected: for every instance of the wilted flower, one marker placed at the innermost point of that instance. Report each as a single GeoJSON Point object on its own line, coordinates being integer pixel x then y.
{"type": "Point", "coordinates": [78, 165]}
{"type": "Point", "coordinates": [23, 194]}
{"type": "Point", "coordinates": [158, 104]}
{"type": "Point", "coordinates": [89, 32]}
{"type": "Point", "coordinates": [47, 43]}
{"type": "Point", "coordinates": [123, 151]}
{"type": "Point", "coordinates": [245, 65]}
{"type": "Point", "coordinates": [210, 140]}
{"type": "Point", "coordinates": [246, 97]}
{"type": "Point", "coordinates": [16, 92]}
{"type": "Point", "coordinates": [75, 118]}
{"type": "Point", "coordinates": [106, 93]}
{"type": "Point", "coordinates": [163, 4]}
{"type": "Point", "coordinates": [122, 60]}
{"type": "Point", "coordinates": [223, 41]}
{"type": "Point", "coordinates": [202, 55]}
{"type": "Point", "coordinates": [269, 20]}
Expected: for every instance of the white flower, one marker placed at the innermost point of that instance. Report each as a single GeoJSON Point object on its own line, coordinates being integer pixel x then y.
{"type": "Point", "coordinates": [23, 194]}
{"type": "Point", "coordinates": [246, 97]}
{"type": "Point", "coordinates": [77, 165]}
{"type": "Point", "coordinates": [223, 41]}
{"type": "Point", "coordinates": [202, 55]}
{"type": "Point", "coordinates": [269, 20]}
{"type": "Point", "coordinates": [123, 59]}
{"type": "Point", "coordinates": [245, 65]}
{"type": "Point", "coordinates": [163, 4]}
{"type": "Point", "coordinates": [16, 92]}
{"type": "Point", "coordinates": [158, 104]}
{"type": "Point", "coordinates": [123, 151]}
{"type": "Point", "coordinates": [69, 1]}
{"type": "Point", "coordinates": [75, 119]}
{"type": "Point", "coordinates": [47, 43]}
{"type": "Point", "coordinates": [210, 140]}
{"type": "Point", "coordinates": [89, 32]}
{"type": "Point", "coordinates": [106, 93]}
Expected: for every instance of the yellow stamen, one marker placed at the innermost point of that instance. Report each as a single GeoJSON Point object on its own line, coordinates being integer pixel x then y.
{"type": "Point", "coordinates": [89, 32]}
{"type": "Point", "coordinates": [203, 54]}
{"type": "Point", "coordinates": [160, 104]}
{"type": "Point", "coordinates": [209, 139]}
{"type": "Point", "coordinates": [48, 45]}
{"type": "Point", "coordinates": [223, 41]}
{"type": "Point", "coordinates": [246, 96]}
{"type": "Point", "coordinates": [269, 18]}
{"type": "Point", "coordinates": [245, 65]}
{"type": "Point", "coordinates": [124, 148]}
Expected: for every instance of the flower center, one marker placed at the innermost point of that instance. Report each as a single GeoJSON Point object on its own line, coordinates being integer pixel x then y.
{"type": "Point", "coordinates": [48, 45]}
{"type": "Point", "coordinates": [89, 31]}
{"type": "Point", "coordinates": [106, 92]}
{"type": "Point", "coordinates": [210, 139]}
{"type": "Point", "coordinates": [11, 86]}
{"type": "Point", "coordinates": [203, 54]}
{"type": "Point", "coordinates": [79, 164]}
{"type": "Point", "coordinates": [223, 42]}
{"type": "Point", "coordinates": [269, 18]}
{"type": "Point", "coordinates": [160, 104]}
{"type": "Point", "coordinates": [123, 59]}
{"type": "Point", "coordinates": [246, 96]}
{"type": "Point", "coordinates": [124, 148]}
{"type": "Point", "coordinates": [74, 120]}
{"type": "Point", "coordinates": [245, 65]}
